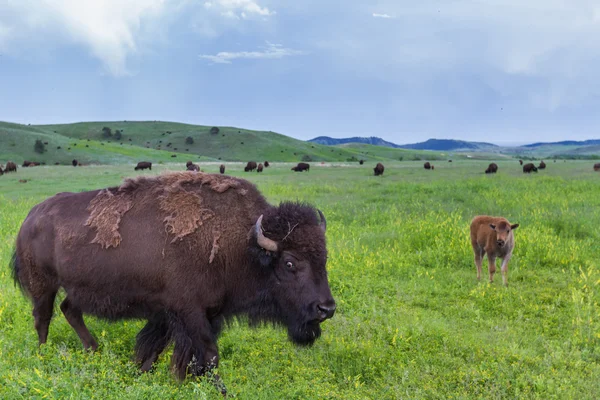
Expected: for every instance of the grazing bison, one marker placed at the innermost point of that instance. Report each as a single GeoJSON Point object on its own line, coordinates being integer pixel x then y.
{"type": "Point", "coordinates": [266, 164]}
{"type": "Point", "coordinates": [542, 165]}
{"type": "Point", "coordinates": [222, 168]}
{"type": "Point", "coordinates": [259, 168]}
{"type": "Point", "coordinates": [10, 167]}
{"type": "Point", "coordinates": [74, 163]}
{"type": "Point", "coordinates": [378, 170]}
{"type": "Point", "coordinates": [193, 167]}
{"type": "Point", "coordinates": [520, 162]}
{"type": "Point", "coordinates": [449, 160]}
{"type": "Point", "coordinates": [361, 162]}
{"type": "Point", "coordinates": [527, 168]}
{"type": "Point", "coordinates": [597, 167]}
{"type": "Point", "coordinates": [492, 168]}
{"type": "Point", "coordinates": [250, 166]}
{"type": "Point", "coordinates": [30, 163]}
{"type": "Point", "coordinates": [301, 167]}
{"type": "Point", "coordinates": [186, 252]}
{"type": "Point", "coordinates": [427, 165]}
{"type": "Point", "coordinates": [492, 236]}
{"type": "Point", "coordinates": [143, 165]}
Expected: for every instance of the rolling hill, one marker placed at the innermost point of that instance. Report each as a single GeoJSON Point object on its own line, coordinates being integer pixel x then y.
{"type": "Point", "coordinates": [431, 144]}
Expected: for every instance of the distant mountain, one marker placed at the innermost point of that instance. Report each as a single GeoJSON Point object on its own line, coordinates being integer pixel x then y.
{"type": "Point", "coordinates": [329, 141]}
{"type": "Point", "coordinates": [431, 144]}
{"type": "Point", "coordinates": [591, 142]}
{"type": "Point", "coordinates": [447, 145]}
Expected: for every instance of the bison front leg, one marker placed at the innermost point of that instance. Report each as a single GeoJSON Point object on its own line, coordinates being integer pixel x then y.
{"type": "Point", "coordinates": [152, 340]}
{"type": "Point", "coordinates": [196, 350]}
{"type": "Point", "coordinates": [504, 269]}
{"type": "Point", "coordinates": [491, 266]}
{"type": "Point", "coordinates": [74, 316]}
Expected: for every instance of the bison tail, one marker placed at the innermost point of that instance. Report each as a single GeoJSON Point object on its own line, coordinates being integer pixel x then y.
{"type": "Point", "coordinates": [15, 266]}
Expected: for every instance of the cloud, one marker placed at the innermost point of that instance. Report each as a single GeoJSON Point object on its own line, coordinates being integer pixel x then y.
{"type": "Point", "coordinates": [241, 8]}
{"type": "Point", "coordinates": [107, 27]}
{"type": "Point", "coordinates": [382, 15]}
{"type": "Point", "coordinates": [272, 51]}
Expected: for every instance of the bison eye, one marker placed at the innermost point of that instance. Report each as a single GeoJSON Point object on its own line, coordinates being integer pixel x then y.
{"type": "Point", "coordinates": [289, 264]}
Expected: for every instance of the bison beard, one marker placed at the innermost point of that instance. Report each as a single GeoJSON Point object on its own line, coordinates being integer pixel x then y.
{"type": "Point", "coordinates": [243, 258]}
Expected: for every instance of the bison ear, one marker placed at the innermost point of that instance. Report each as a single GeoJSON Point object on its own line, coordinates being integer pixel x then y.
{"type": "Point", "coordinates": [514, 226]}
{"type": "Point", "coordinates": [493, 227]}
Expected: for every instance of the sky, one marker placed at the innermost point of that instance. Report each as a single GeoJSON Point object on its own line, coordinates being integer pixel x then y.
{"type": "Point", "coordinates": [500, 71]}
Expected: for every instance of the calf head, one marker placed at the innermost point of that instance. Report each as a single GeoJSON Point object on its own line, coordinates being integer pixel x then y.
{"type": "Point", "coordinates": [289, 243]}
{"type": "Point", "coordinates": [503, 231]}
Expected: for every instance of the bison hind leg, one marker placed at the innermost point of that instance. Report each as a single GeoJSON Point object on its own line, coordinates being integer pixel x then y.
{"type": "Point", "coordinates": [43, 306]}
{"type": "Point", "coordinates": [154, 337]}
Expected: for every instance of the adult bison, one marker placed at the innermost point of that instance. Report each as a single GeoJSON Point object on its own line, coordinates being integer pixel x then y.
{"type": "Point", "coordinates": [74, 163]}
{"type": "Point", "coordinates": [266, 164]}
{"type": "Point", "coordinates": [427, 165]}
{"type": "Point", "coordinates": [492, 236]}
{"type": "Point", "coordinates": [542, 165]}
{"type": "Point", "coordinates": [597, 167]}
{"type": "Point", "coordinates": [250, 166]}
{"type": "Point", "coordinates": [259, 168]}
{"type": "Point", "coordinates": [143, 165]}
{"type": "Point", "coordinates": [528, 168]}
{"type": "Point", "coordinates": [1, 171]}
{"type": "Point", "coordinates": [222, 168]}
{"type": "Point", "coordinates": [378, 170]}
{"type": "Point", "coordinates": [301, 167]}
{"type": "Point", "coordinates": [190, 166]}
{"type": "Point", "coordinates": [361, 162]}
{"type": "Point", "coordinates": [10, 167]}
{"type": "Point", "coordinates": [492, 168]}
{"type": "Point", "coordinates": [185, 251]}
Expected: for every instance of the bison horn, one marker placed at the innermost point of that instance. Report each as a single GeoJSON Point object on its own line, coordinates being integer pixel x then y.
{"type": "Point", "coordinates": [323, 223]}
{"type": "Point", "coordinates": [262, 240]}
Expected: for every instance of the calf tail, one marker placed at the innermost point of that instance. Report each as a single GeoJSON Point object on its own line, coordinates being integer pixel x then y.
{"type": "Point", "coordinates": [16, 265]}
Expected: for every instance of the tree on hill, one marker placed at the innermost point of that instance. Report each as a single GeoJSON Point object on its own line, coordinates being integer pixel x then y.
{"type": "Point", "coordinates": [39, 146]}
{"type": "Point", "coordinates": [214, 130]}
{"type": "Point", "coordinates": [189, 140]}
{"type": "Point", "coordinates": [118, 134]}
{"type": "Point", "coordinates": [106, 132]}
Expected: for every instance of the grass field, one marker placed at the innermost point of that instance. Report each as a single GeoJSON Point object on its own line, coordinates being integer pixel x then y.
{"type": "Point", "coordinates": [412, 321]}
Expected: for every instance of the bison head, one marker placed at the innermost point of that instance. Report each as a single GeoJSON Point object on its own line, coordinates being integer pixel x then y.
{"type": "Point", "coordinates": [503, 231]}
{"type": "Point", "coordinates": [288, 244]}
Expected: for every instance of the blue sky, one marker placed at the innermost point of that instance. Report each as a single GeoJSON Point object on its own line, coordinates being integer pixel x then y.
{"type": "Point", "coordinates": [503, 71]}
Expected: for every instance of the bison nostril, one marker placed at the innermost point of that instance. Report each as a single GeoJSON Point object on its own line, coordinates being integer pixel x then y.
{"type": "Point", "coordinates": [326, 310]}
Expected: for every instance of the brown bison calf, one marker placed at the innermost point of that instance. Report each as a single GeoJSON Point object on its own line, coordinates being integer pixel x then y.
{"type": "Point", "coordinates": [492, 236]}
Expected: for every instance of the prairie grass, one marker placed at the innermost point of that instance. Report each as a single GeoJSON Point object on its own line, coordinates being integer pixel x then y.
{"type": "Point", "coordinates": [412, 320]}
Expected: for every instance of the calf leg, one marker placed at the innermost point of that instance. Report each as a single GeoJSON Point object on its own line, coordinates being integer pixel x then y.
{"type": "Point", "coordinates": [152, 340]}
{"type": "Point", "coordinates": [75, 318]}
{"type": "Point", "coordinates": [491, 266]}
{"type": "Point", "coordinates": [42, 313]}
{"type": "Point", "coordinates": [504, 270]}
{"type": "Point", "coordinates": [478, 260]}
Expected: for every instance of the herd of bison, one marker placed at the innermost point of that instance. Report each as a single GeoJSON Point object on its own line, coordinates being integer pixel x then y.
{"type": "Point", "coordinates": [252, 165]}
{"type": "Point", "coordinates": [212, 222]}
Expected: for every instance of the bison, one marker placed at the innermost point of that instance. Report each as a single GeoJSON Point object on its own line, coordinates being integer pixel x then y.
{"type": "Point", "coordinates": [542, 165]}
{"type": "Point", "coordinates": [10, 167]}
{"type": "Point", "coordinates": [378, 170]}
{"type": "Point", "coordinates": [528, 168]}
{"type": "Point", "coordinates": [492, 236]}
{"type": "Point", "coordinates": [187, 252]}
{"type": "Point", "coordinates": [30, 163]}
{"type": "Point", "coordinates": [250, 166]}
{"type": "Point", "coordinates": [432, 167]}
{"type": "Point", "coordinates": [74, 163]}
{"type": "Point", "coordinates": [427, 165]}
{"type": "Point", "coordinates": [492, 168]}
{"type": "Point", "coordinates": [222, 168]}
{"type": "Point", "coordinates": [266, 163]}
{"type": "Point", "coordinates": [259, 168]}
{"type": "Point", "coordinates": [301, 167]}
{"type": "Point", "coordinates": [143, 165]}
{"type": "Point", "coordinates": [361, 162]}
{"type": "Point", "coordinates": [520, 162]}
{"type": "Point", "coordinates": [596, 167]}
{"type": "Point", "coordinates": [1, 171]}
{"type": "Point", "coordinates": [190, 166]}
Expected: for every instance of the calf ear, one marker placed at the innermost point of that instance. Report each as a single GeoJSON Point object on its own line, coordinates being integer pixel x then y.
{"type": "Point", "coordinates": [493, 227]}
{"type": "Point", "coordinates": [514, 226]}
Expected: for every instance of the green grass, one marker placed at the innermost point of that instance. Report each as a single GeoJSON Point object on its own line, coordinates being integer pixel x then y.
{"type": "Point", "coordinates": [412, 320]}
